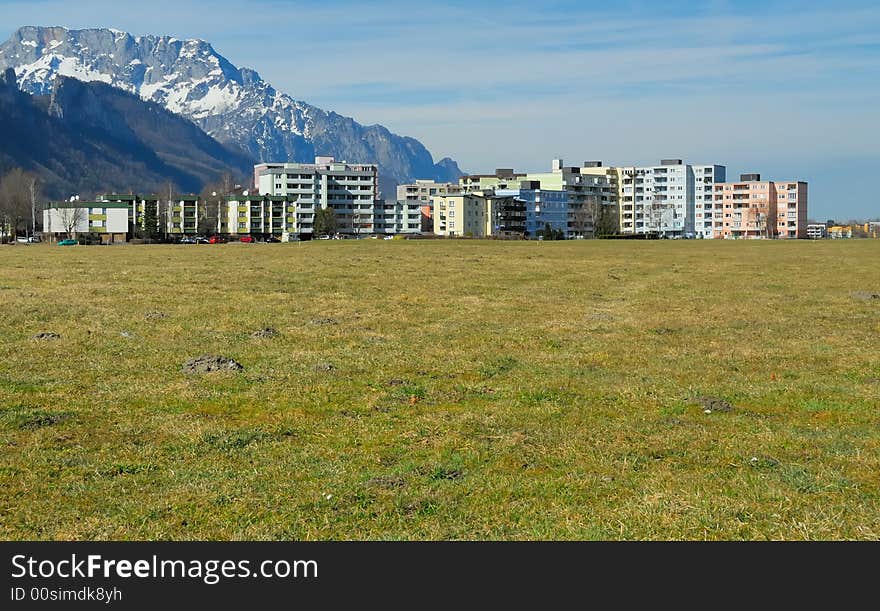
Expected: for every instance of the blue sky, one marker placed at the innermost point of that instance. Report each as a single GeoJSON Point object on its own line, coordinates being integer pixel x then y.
{"type": "Point", "coordinates": [789, 89]}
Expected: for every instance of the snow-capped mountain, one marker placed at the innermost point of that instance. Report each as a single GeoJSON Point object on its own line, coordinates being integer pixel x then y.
{"type": "Point", "coordinates": [235, 106]}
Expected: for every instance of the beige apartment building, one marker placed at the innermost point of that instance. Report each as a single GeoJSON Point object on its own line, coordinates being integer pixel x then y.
{"type": "Point", "coordinates": [424, 190]}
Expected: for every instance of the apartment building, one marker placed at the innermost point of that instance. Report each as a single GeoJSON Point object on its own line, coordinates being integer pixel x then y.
{"type": "Point", "coordinates": [756, 209]}
{"type": "Point", "coordinates": [349, 189]}
{"type": "Point", "coordinates": [459, 215]}
{"type": "Point", "coordinates": [424, 190]}
{"type": "Point", "coordinates": [70, 219]}
{"type": "Point", "coordinates": [503, 178]}
{"type": "Point", "coordinates": [398, 217]}
{"type": "Point", "coordinates": [267, 215]}
{"type": "Point", "coordinates": [479, 214]}
{"type": "Point", "coordinates": [817, 231]}
{"type": "Point", "coordinates": [541, 207]}
{"type": "Point", "coordinates": [672, 199]}
{"type": "Point", "coordinates": [586, 192]}
{"type": "Point", "coordinates": [182, 214]}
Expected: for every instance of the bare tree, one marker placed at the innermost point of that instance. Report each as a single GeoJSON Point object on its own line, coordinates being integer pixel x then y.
{"type": "Point", "coordinates": [659, 214]}
{"type": "Point", "coordinates": [33, 184]}
{"type": "Point", "coordinates": [214, 208]}
{"type": "Point", "coordinates": [70, 218]}
{"type": "Point", "coordinates": [14, 202]}
{"type": "Point", "coordinates": [164, 204]}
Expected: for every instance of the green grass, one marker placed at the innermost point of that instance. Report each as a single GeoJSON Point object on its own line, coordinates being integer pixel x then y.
{"type": "Point", "coordinates": [478, 390]}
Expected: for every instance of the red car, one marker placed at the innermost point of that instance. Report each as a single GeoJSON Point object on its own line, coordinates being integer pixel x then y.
{"type": "Point", "coordinates": [248, 239]}
{"type": "Point", "coordinates": [216, 239]}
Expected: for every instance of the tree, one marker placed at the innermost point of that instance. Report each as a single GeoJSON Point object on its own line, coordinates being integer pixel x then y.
{"type": "Point", "coordinates": [607, 220]}
{"type": "Point", "coordinates": [33, 184]}
{"type": "Point", "coordinates": [165, 201]}
{"type": "Point", "coordinates": [325, 221]}
{"type": "Point", "coordinates": [658, 214]}
{"type": "Point", "coordinates": [213, 208]}
{"type": "Point", "coordinates": [152, 231]}
{"type": "Point", "coordinates": [582, 219]}
{"type": "Point", "coordinates": [14, 202]}
{"type": "Point", "coordinates": [71, 217]}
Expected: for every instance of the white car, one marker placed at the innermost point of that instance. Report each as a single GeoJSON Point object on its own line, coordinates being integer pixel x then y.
{"type": "Point", "coordinates": [323, 237]}
{"type": "Point", "coordinates": [28, 240]}
{"type": "Point", "coordinates": [388, 237]}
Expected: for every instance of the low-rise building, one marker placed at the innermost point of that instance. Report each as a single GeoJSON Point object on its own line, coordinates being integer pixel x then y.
{"type": "Point", "coordinates": [108, 220]}
{"type": "Point", "coordinates": [402, 216]}
{"type": "Point", "coordinates": [267, 216]}
{"type": "Point", "coordinates": [840, 232]}
{"type": "Point", "coordinates": [817, 231]}
{"type": "Point", "coordinates": [479, 214]}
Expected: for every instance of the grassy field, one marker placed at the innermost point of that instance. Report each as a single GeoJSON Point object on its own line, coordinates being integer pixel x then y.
{"type": "Point", "coordinates": [442, 390]}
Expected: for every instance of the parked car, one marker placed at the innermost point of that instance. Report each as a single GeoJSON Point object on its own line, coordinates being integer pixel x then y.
{"type": "Point", "coordinates": [247, 239]}
{"type": "Point", "coordinates": [272, 240]}
{"type": "Point", "coordinates": [199, 239]}
{"type": "Point", "coordinates": [323, 237]}
{"type": "Point", "coordinates": [388, 237]}
{"type": "Point", "coordinates": [68, 243]}
{"type": "Point", "coordinates": [216, 239]}
{"type": "Point", "coordinates": [187, 240]}
{"type": "Point", "coordinates": [28, 239]}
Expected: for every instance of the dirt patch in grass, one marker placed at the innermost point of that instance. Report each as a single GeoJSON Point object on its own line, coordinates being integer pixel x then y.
{"type": "Point", "coordinates": [28, 419]}
{"type": "Point", "coordinates": [266, 333]}
{"type": "Point", "coordinates": [46, 336]}
{"type": "Point", "coordinates": [323, 322]}
{"type": "Point", "coordinates": [387, 482]}
{"type": "Point", "coordinates": [235, 439]}
{"type": "Point", "coordinates": [866, 296]}
{"type": "Point", "coordinates": [209, 364]}
{"type": "Point", "coordinates": [714, 404]}
{"type": "Point", "coordinates": [155, 315]}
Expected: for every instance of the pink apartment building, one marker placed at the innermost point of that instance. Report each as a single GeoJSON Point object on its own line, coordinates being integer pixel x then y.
{"type": "Point", "coordinates": [755, 209]}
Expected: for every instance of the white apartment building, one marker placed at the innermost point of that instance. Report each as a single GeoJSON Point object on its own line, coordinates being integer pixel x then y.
{"type": "Point", "coordinates": [672, 199]}
{"type": "Point", "coordinates": [69, 219]}
{"type": "Point", "coordinates": [350, 190]}
{"type": "Point", "coordinates": [265, 215]}
{"type": "Point", "coordinates": [397, 217]}
{"type": "Point", "coordinates": [707, 213]}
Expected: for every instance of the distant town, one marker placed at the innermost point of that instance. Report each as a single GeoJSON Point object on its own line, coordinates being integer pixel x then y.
{"type": "Point", "coordinates": [335, 199]}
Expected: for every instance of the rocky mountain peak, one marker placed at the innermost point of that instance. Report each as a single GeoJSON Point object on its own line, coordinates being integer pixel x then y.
{"type": "Point", "coordinates": [235, 106]}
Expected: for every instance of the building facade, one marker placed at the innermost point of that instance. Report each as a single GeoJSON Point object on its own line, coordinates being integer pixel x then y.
{"type": "Point", "coordinates": [403, 216]}
{"type": "Point", "coordinates": [266, 216]}
{"type": "Point", "coordinates": [590, 194]}
{"type": "Point", "coordinates": [756, 209]}
{"type": "Point", "coordinates": [480, 214]}
{"type": "Point", "coordinates": [817, 231]}
{"type": "Point", "coordinates": [350, 190]}
{"type": "Point", "coordinates": [424, 190]}
{"type": "Point", "coordinates": [109, 220]}
{"type": "Point", "coordinates": [541, 207]}
{"type": "Point", "coordinates": [672, 199]}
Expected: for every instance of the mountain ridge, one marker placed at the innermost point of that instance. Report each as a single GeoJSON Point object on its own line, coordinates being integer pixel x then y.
{"type": "Point", "coordinates": [233, 105]}
{"type": "Point", "coordinates": [90, 137]}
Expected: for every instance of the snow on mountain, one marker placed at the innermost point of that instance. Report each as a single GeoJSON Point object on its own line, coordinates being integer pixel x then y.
{"type": "Point", "coordinates": [233, 105]}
